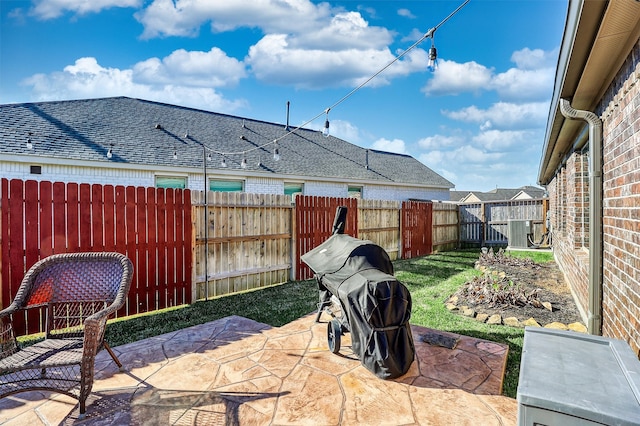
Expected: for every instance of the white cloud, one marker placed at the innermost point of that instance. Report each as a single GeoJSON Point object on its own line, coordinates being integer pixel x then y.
{"type": "Point", "coordinates": [437, 142]}
{"type": "Point", "coordinates": [345, 130]}
{"type": "Point", "coordinates": [452, 78]}
{"type": "Point", "coordinates": [50, 9]}
{"type": "Point", "coordinates": [344, 30]}
{"type": "Point", "coordinates": [503, 115]}
{"type": "Point", "coordinates": [524, 84]}
{"type": "Point", "coordinates": [185, 17]}
{"type": "Point", "coordinates": [406, 13]}
{"type": "Point", "coordinates": [531, 79]}
{"type": "Point", "coordinates": [86, 78]}
{"type": "Point", "coordinates": [275, 61]}
{"type": "Point", "coordinates": [502, 140]}
{"type": "Point", "coordinates": [528, 59]}
{"type": "Point", "coordinates": [207, 69]}
{"type": "Point", "coordinates": [395, 145]}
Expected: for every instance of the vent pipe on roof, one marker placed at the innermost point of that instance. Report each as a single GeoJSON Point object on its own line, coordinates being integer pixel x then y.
{"type": "Point", "coordinates": [595, 212]}
{"type": "Point", "coordinates": [287, 126]}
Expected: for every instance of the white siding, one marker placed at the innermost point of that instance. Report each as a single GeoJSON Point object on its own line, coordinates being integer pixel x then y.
{"type": "Point", "coordinates": [395, 193]}
{"type": "Point", "coordinates": [195, 181]}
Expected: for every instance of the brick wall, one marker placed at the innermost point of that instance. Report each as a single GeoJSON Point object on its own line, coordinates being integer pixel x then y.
{"type": "Point", "coordinates": [572, 260]}
{"type": "Point", "coordinates": [620, 112]}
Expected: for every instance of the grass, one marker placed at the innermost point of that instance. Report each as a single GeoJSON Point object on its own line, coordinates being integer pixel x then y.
{"type": "Point", "coordinates": [431, 280]}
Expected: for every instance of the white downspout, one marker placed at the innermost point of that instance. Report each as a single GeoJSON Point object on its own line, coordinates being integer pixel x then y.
{"type": "Point", "coordinates": [594, 321]}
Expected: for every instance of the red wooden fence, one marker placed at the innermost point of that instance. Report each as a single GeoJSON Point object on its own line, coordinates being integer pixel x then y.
{"type": "Point", "coordinates": [416, 228]}
{"type": "Point", "coordinates": [314, 223]}
{"type": "Point", "coordinates": [151, 226]}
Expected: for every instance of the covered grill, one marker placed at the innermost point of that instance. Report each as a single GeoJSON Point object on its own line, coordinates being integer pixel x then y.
{"type": "Point", "coordinates": [375, 307]}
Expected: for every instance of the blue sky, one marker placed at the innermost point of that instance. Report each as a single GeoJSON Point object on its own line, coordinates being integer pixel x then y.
{"type": "Point", "coordinates": [478, 120]}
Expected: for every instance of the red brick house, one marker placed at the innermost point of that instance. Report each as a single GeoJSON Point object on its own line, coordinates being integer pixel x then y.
{"type": "Point", "coordinates": [591, 164]}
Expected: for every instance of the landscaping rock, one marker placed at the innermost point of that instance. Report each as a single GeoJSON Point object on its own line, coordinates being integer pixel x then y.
{"type": "Point", "coordinates": [556, 326]}
{"type": "Point", "coordinates": [511, 321]}
{"type": "Point", "coordinates": [531, 323]}
{"type": "Point", "coordinates": [576, 326]}
{"type": "Point", "coordinates": [495, 319]}
{"type": "Point", "coordinates": [548, 306]}
{"type": "Point", "coordinates": [468, 312]}
{"type": "Point", "coordinates": [482, 317]}
{"type": "Point", "coordinates": [451, 307]}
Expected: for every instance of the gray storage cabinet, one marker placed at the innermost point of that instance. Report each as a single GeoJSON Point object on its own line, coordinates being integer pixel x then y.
{"type": "Point", "coordinates": [569, 378]}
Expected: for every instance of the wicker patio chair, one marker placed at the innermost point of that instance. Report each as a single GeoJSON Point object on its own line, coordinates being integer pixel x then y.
{"type": "Point", "coordinates": [77, 292]}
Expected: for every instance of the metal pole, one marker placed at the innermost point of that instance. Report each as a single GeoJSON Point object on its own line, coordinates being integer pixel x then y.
{"type": "Point", "coordinates": [206, 224]}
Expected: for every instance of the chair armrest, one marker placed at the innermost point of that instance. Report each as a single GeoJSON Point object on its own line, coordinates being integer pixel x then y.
{"type": "Point", "coordinates": [8, 343]}
{"type": "Point", "coordinates": [12, 308]}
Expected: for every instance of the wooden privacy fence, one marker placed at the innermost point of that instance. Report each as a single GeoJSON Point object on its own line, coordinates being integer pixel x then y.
{"type": "Point", "coordinates": [445, 226]}
{"type": "Point", "coordinates": [249, 242]}
{"type": "Point", "coordinates": [416, 229]}
{"type": "Point", "coordinates": [151, 226]}
{"type": "Point", "coordinates": [187, 247]}
{"type": "Point", "coordinates": [379, 221]}
{"type": "Point", "coordinates": [314, 222]}
{"type": "Point", "coordinates": [487, 223]}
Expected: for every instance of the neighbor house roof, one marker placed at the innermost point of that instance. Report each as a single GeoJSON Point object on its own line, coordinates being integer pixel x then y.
{"type": "Point", "coordinates": [146, 134]}
{"type": "Point", "coordinates": [500, 194]}
{"type": "Point", "coordinates": [598, 37]}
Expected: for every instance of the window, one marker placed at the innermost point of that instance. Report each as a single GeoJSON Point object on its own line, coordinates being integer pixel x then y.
{"type": "Point", "coordinates": [36, 170]}
{"type": "Point", "coordinates": [354, 191]}
{"type": "Point", "coordinates": [582, 198]}
{"type": "Point", "coordinates": [293, 188]}
{"type": "Point", "coordinates": [226, 185]}
{"type": "Point", "coordinates": [176, 182]}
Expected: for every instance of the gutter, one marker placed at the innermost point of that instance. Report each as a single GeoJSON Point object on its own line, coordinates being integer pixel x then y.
{"type": "Point", "coordinates": [594, 320]}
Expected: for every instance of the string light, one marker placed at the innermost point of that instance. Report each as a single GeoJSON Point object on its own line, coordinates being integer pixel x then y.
{"type": "Point", "coordinates": [432, 65]}
{"type": "Point", "coordinates": [110, 152]}
{"type": "Point", "coordinates": [29, 143]}
{"type": "Point", "coordinates": [325, 130]}
{"type": "Point", "coordinates": [175, 153]}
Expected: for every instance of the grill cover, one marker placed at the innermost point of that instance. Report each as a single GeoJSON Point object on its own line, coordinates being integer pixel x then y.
{"type": "Point", "coordinates": [376, 306]}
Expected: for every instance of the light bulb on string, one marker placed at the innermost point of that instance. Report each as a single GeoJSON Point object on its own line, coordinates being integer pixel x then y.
{"type": "Point", "coordinates": [432, 65]}
{"type": "Point", "coordinates": [29, 143]}
{"type": "Point", "coordinates": [110, 153]}
{"type": "Point", "coordinates": [224, 163]}
{"type": "Point", "coordinates": [276, 151]}
{"type": "Point", "coordinates": [175, 154]}
{"type": "Point", "coordinates": [243, 164]}
{"type": "Point", "coordinates": [325, 130]}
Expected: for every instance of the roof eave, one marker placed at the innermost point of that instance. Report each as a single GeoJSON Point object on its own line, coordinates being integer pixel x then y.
{"type": "Point", "coordinates": [598, 37]}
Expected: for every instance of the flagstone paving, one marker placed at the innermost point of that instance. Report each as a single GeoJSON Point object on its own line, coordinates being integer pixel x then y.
{"type": "Point", "coordinates": [235, 371]}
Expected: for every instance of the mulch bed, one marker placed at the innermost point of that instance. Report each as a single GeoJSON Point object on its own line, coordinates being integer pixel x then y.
{"type": "Point", "coordinates": [517, 287]}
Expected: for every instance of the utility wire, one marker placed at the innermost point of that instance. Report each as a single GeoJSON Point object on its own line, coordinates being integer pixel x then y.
{"type": "Point", "coordinates": [426, 35]}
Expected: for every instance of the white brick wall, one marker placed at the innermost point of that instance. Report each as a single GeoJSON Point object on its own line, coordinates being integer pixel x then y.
{"type": "Point", "coordinates": [195, 181]}
{"type": "Point", "coordinates": [77, 174]}
{"type": "Point", "coordinates": [376, 192]}
{"type": "Point", "coordinates": [264, 186]}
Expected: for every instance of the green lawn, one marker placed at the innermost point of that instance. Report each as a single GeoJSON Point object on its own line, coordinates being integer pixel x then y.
{"type": "Point", "coordinates": [431, 280]}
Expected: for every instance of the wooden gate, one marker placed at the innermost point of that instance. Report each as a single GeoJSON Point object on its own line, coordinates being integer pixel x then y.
{"type": "Point", "coordinates": [314, 222]}
{"type": "Point", "coordinates": [417, 238]}
{"type": "Point", "coordinates": [151, 226]}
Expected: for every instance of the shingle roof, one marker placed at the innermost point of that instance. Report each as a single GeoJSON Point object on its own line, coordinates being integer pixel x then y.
{"type": "Point", "coordinates": [500, 194]}
{"type": "Point", "coordinates": [86, 129]}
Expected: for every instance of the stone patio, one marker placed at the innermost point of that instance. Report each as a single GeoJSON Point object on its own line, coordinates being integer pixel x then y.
{"type": "Point", "coordinates": [235, 371]}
